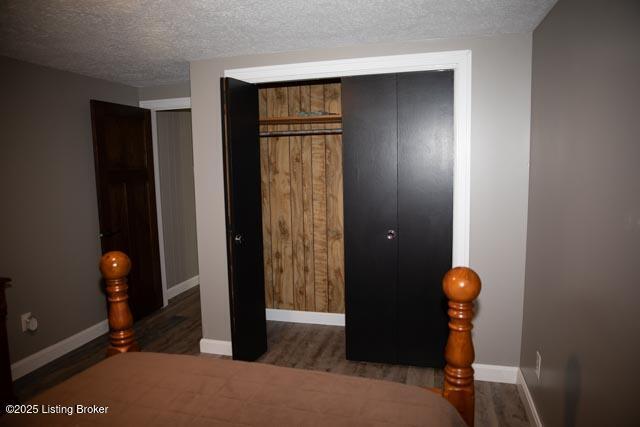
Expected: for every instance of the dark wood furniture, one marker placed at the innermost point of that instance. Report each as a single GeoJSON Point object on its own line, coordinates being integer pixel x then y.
{"type": "Point", "coordinates": [115, 266]}
{"type": "Point", "coordinates": [6, 383]}
{"type": "Point", "coordinates": [461, 286]}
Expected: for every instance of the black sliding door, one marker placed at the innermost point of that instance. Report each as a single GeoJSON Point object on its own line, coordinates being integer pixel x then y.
{"type": "Point", "coordinates": [244, 218]}
{"type": "Point", "coordinates": [370, 162]}
{"type": "Point", "coordinates": [425, 213]}
{"type": "Point", "coordinates": [398, 213]}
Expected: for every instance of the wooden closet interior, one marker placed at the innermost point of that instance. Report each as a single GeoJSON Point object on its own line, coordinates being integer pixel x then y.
{"type": "Point", "coordinates": [302, 195]}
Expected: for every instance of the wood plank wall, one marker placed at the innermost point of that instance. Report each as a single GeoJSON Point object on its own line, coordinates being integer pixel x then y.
{"type": "Point", "coordinates": [302, 214]}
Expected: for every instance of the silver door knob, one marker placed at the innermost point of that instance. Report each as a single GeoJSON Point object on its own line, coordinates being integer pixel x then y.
{"type": "Point", "coordinates": [391, 234]}
{"type": "Point", "coordinates": [238, 239]}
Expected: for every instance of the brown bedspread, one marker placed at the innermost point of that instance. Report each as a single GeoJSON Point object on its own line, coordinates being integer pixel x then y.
{"type": "Point", "coordinates": [174, 390]}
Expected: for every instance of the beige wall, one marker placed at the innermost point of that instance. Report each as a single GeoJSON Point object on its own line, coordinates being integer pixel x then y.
{"type": "Point", "coordinates": [175, 160]}
{"type": "Point", "coordinates": [178, 90]}
{"type": "Point", "coordinates": [49, 240]}
{"type": "Point", "coordinates": [582, 283]}
{"type": "Point", "coordinates": [499, 176]}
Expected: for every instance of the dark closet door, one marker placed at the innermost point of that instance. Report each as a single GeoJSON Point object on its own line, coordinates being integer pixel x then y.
{"type": "Point", "coordinates": [244, 218]}
{"type": "Point", "coordinates": [398, 214]}
{"type": "Point", "coordinates": [123, 157]}
{"type": "Point", "coordinates": [425, 214]}
{"type": "Point", "coordinates": [370, 160]}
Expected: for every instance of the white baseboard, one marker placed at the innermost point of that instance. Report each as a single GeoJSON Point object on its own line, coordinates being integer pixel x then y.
{"type": "Point", "coordinates": [316, 318]}
{"type": "Point", "coordinates": [215, 347]}
{"type": "Point", "coordinates": [31, 363]}
{"type": "Point", "coordinates": [495, 373]}
{"type": "Point", "coordinates": [176, 290]}
{"type": "Point", "coordinates": [530, 406]}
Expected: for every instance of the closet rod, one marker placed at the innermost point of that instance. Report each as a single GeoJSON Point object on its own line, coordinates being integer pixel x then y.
{"type": "Point", "coordinates": [324, 118]}
{"type": "Point", "coordinates": [277, 133]}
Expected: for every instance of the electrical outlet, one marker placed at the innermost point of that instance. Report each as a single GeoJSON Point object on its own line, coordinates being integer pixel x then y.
{"type": "Point", "coordinates": [538, 364]}
{"type": "Point", "coordinates": [24, 319]}
{"type": "Point", "coordinates": [28, 322]}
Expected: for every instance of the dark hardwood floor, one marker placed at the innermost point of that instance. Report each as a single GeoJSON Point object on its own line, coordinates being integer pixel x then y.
{"type": "Point", "coordinates": [174, 329]}
{"type": "Point", "coordinates": [322, 348]}
{"type": "Point", "coordinates": [177, 329]}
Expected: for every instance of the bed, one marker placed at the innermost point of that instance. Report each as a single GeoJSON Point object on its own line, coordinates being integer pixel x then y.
{"type": "Point", "coordinates": [138, 388]}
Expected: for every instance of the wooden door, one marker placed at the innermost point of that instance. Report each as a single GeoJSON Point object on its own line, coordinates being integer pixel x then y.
{"type": "Point", "coordinates": [370, 158]}
{"type": "Point", "coordinates": [123, 158]}
{"type": "Point", "coordinates": [425, 214]}
{"type": "Point", "coordinates": [244, 218]}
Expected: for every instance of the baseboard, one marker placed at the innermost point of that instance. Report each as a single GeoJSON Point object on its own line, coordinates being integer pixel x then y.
{"type": "Point", "coordinates": [313, 317]}
{"type": "Point", "coordinates": [215, 347]}
{"type": "Point", "coordinates": [31, 363]}
{"type": "Point", "coordinates": [495, 373]}
{"type": "Point", "coordinates": [530, 406]}
{"type": "Point", "coordinates": [176, 290]}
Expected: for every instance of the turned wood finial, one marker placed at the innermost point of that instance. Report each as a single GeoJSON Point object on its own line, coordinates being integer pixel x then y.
{"type": "Point", "coordinates": [115, 267]}
{"type": "Point", "coordinates": [461, 285]}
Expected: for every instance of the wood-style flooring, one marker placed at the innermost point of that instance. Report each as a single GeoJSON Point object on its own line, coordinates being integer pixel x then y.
{"type": "Point", "coordinates": [177, 329]}
{"type": "Point", "coordinates": [322, 348]}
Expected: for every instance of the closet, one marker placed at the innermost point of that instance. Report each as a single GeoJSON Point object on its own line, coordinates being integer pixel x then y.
{"type": "Point", "coordinates": [302, 195]}
{"type": "Point", "coordinates": [340, 199]}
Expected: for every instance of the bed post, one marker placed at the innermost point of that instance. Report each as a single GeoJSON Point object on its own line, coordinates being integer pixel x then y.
{"type": "Point", "coordinates": [461, 285]}
{"type": "Point", "coordinates": [115, 267]}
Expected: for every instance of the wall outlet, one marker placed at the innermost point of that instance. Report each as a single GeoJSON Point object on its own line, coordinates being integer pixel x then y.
{"type": "Point", "coordinates": [28, 322]}
{"type": "Point", "coordinates": [538, 364]}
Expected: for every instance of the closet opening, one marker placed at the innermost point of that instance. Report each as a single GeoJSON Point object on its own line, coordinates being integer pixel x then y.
{"type": "Point", "coordinates": [302, 198]}
{"type": "Point", "coordinates": [339, 197]}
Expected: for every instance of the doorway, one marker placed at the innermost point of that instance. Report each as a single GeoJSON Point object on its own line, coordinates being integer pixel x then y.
{"type": "Point", "coordinates": [173, 151]}
{"type": "Point", "coordinates": [302, 199]}
{"type": "Point", "coordinates": [156, 137]}
{"type": "Point", "coordinates": [177, 200]}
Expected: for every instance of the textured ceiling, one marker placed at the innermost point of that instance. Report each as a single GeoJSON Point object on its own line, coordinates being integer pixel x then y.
{"type": "Point", "coordinates": [149, 42]}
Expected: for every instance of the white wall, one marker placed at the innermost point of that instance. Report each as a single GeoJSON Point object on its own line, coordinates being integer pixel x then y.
{"type": "Point", "coordinates": [500, 121]}
{"type": "Point", "coordinates": [178, 90]}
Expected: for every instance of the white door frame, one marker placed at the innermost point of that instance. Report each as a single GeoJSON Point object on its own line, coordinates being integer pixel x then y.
{"type": "Point", "coordinates": [156, 105]}
{"type": "Point", "coordinates": [459, 61]}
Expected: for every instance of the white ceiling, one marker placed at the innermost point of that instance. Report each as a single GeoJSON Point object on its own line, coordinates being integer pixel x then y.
{"type": "Point", "coordinates": [150, 42]}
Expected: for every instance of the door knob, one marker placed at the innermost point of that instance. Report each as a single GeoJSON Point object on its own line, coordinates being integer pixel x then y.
{"type": "Point", "coordinates": [391, 234]}
{"type": "Point", "coordinates": [109, 233]}
{"type": "Point", "coordinates": [237, 239]}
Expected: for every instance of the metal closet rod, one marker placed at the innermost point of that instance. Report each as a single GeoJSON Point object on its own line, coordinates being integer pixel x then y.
{"type": "Point", "coordinates": [301, 132]}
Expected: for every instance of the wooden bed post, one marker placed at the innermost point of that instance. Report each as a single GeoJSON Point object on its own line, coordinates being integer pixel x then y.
{"type": "Point", "coordinates": [115, 267]}
{"type": "Point", "coordinates": [461, 286]}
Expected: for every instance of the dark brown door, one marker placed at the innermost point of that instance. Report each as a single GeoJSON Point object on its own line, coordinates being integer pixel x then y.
{"type": "Point", "coordinates": [123, 157]}
{"type": "Point", "coordinates": [244, 218]}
